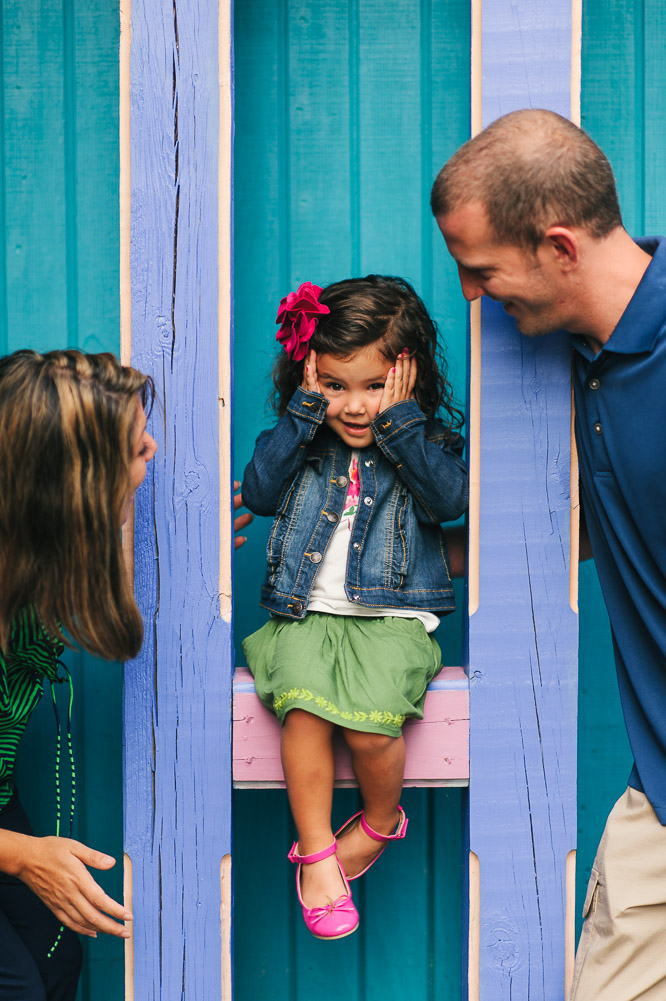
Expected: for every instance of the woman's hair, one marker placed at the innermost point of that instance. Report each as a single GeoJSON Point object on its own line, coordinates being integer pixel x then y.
{"type": "Point", "coordinates": [67, 424]}
{"type": "Point", "coordinates": [385, 311]}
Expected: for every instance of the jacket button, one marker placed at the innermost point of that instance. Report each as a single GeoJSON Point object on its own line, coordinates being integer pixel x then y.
{"type": "Point", "coordinates": [356, 546]}
{"type": "Point", "coordinates": [332, 517]}
{"type": "Point", "coordinates": [341, 481]}
{"type": "Point", "coordinates": [367, 501]}
{"type": "Point", "coordinates": [369, 463]}
{"type": "Point", "coordinates": [297, 607]}
{"type": "Point", "coordinates": [355, 597]}
{"type": "Point", "coordinates": [316, 557]}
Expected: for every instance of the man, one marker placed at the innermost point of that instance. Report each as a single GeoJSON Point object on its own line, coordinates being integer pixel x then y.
{"type": "Point", "coordinates": [529, 212]}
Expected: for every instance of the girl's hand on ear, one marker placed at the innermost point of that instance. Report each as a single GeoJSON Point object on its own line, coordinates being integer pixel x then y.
{"type": "Point", "coordinates": [310, 378]}
{"type": "Point", "coordinates": [400, 381]}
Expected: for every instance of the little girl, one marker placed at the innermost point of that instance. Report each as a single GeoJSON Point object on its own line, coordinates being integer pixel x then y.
{"type": "Point", "coordinates": [358, 473]}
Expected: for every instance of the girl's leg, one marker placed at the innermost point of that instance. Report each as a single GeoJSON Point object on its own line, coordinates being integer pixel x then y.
{"type": "Point", "coordinates": [307, 762]}
{"type": "Point", "coordinates": [379, 766]}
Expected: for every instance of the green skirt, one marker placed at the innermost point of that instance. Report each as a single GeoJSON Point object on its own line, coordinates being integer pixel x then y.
{"type": "Point", "coordinates": [366, 674]}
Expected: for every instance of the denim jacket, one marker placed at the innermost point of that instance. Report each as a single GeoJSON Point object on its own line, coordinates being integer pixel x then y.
{"type": "Point", "coordinates": [411, 479]}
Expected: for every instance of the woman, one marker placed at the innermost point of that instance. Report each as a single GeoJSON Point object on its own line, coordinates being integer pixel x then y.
{"type": "Point", "coordinates": [73, 450]}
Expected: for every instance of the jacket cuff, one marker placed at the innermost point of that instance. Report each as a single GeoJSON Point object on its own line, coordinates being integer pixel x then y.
{"type": "Point", "coordinates": [396, 418]}
{"type": "Point", "coordinates": [311, 406]}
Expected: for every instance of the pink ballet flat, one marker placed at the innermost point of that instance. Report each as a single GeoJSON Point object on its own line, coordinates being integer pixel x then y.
{"type": "Point", "coordinates": [340, 917]}
{"type": "Point", "coordinates": [400, 831]}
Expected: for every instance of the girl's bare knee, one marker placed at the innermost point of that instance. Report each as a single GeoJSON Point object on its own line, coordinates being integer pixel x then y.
{"type": "Point", "coordinates": [367, 743]}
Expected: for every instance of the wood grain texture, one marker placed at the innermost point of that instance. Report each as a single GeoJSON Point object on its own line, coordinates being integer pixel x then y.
{"type": "Point", "coordinates": [177, 692]}
{"type": "Point", "coordinates": [522, 639]}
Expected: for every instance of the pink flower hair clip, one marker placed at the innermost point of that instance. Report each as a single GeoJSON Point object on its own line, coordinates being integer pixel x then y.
{"type": "Point", "coordinates": [297, 316]}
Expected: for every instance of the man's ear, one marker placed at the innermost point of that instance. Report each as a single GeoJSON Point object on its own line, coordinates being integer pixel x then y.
{"type": "Point", "coordinates": [564, 244]}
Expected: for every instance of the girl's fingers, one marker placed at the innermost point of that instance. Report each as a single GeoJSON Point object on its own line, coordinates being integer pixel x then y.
{"type": "Point", "coordinates": [389, 389]}
{"type": "Point", "coordinates": [310, 380]}
{"type": "Point", "coordinates": [412, 378]}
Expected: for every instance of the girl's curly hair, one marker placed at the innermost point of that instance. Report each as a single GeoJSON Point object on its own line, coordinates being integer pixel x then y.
{"type": "Point", "coordinates": [383, 310]}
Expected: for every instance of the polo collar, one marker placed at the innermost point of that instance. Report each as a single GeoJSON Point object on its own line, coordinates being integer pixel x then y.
{"type": "Point", "coordinates": [645, 315]}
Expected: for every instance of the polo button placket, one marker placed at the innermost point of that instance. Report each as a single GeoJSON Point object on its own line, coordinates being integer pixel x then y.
{"type": "Point", "coordinates": [594, 384]}
{"type": "Point", "coordinates": [598, 428]}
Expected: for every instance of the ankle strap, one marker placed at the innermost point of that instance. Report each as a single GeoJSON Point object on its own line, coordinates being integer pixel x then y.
{"type": "Point", "coordinates": [293, 855]}
{"type": "Point", "coordinates": [399, 832]}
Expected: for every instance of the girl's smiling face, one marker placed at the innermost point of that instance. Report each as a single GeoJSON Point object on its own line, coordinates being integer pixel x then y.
{"type": "Point", "coordinates": [353, 386]}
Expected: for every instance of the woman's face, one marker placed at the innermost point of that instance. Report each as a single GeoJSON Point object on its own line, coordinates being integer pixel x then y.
{"type": "Point", "coordinates": [143, 449]}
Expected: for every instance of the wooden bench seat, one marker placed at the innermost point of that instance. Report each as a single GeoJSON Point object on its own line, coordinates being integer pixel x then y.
{"type": "Point", "coordinates": [437, 746]}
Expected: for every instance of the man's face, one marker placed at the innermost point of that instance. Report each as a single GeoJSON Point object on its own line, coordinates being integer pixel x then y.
{"type": "Point", "coordinates": [529, 286]}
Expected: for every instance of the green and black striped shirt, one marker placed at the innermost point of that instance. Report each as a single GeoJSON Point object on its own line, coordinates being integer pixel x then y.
{"type": "Point", "coordinates": [31, 658]}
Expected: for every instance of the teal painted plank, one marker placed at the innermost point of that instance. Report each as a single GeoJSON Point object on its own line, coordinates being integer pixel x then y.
{"type": "Point", "coordinates": [320, 149]}
{"type": "Point", "coordinates": [396, 914]}
{"type": "Point", "coordinates": [612, 87]}
{"type": "Point", "coordinates": [263, 888]}
{"type": "Point", "coordinates": [446, 904]}
{"type": "Point", "coordinates": [261, 269]}
{"type": "Point", "coordinates": [95, 38]}
{"type": "Point", "coordinates": [448, 62]}
{"type": "Point", "coordinates": [59, 92]}
{"type": "Point", "coordinates": [35, 189]}
{"type": "Point", "coordinates": [390, 138]}
{"type": "Point", "coordinates": [654, 115]}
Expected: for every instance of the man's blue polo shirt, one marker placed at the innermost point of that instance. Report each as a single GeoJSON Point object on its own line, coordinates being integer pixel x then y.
{"type": "Point", "coordinates": [620, 398]}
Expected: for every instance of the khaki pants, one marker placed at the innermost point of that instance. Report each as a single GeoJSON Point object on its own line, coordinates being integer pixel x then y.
{"type": "Point", "coordinates": [622, 950]}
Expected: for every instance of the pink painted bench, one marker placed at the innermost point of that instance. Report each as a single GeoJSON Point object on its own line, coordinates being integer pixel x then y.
{"type": "Point", "coordinates": [437, 746]}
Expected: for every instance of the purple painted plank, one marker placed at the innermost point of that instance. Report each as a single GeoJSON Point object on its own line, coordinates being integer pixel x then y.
{"type": "Point", "coordinates": [523, 638]}
{"type": "Point", "coordinates": [178, 691]}
{"type": "Point", "coordinates": [437, 746]}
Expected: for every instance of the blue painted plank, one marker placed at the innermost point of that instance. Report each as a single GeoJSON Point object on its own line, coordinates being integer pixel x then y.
{"type": "Point", "coordinates": [178, 691]}
{"type": "Point", "coordinates": [522, 639]}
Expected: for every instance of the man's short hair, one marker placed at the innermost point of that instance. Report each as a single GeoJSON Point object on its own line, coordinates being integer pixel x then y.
{"type": "Point", "coordinates": [531, 169]}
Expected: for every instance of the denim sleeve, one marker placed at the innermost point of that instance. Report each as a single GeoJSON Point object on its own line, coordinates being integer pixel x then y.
{"type": "Point", "coordinates": [279, 453]}
{"type": "Point", "coordinates": [428, 463]}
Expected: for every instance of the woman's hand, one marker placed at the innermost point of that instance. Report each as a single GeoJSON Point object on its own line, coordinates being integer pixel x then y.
{"type": "Point", "coordinates": [400, 381]}
{"type": "Point", "coordinates": [241, 521]}
{"type": "Point", "coordinates": [310, 378]}
{"type": "Point", "coordinates": [55, 869]}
